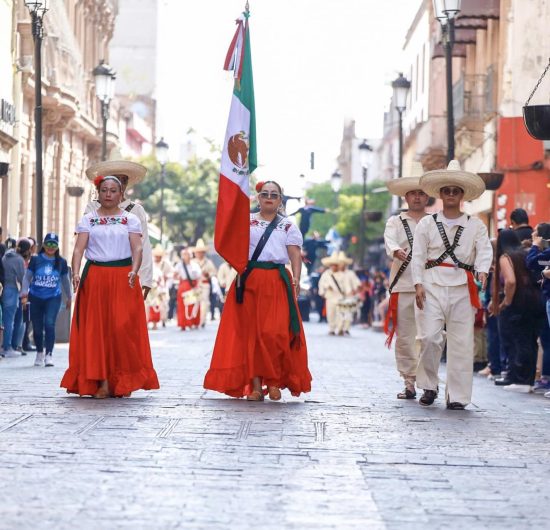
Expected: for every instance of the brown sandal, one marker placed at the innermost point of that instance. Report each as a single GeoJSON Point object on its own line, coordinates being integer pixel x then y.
{"type": "Point", "coordinates": [255, 395]}
{"type": "Point", "coordinates": [274, 393]}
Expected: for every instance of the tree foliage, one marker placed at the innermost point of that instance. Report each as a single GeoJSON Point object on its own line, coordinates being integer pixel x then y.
{"type": "Point", "coordinates": [345, 210]}
{"type": "Point", "coordinates": [190, 195]}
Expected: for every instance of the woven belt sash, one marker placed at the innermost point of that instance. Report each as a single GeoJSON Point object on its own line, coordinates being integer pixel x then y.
{"type": "Point", "coordinates": [472, 287]}
{"type": "Point", "coordinates": [89, 263]}
{"type": "Point", "coordinates": [283, 273]}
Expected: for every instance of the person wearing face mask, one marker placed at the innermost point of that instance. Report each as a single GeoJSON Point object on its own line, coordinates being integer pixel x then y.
{"type": "Point", "coordinates": [109, 350]}
{"type": "Point", "coordinates": [260, 347]}
{"type": "Point", "coordinates": [47, 276]}
{"type": "Point", "coordinates": [129, 174]}
{"type": "Point", "coordinates": [449, 248]}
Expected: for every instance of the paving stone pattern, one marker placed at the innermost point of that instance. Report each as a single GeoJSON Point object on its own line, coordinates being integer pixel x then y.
{"type": "Point", "coordinates": [347, 456]}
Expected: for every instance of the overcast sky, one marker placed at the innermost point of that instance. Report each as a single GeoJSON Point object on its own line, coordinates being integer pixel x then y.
{"type": "Point", "coordinates": [315, 63]}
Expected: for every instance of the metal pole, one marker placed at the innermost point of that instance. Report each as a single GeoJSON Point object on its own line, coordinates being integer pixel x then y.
{"type": "Point", "coordinates": [37, 34]}
{"type": "Point", "coordinates": [362, 226]}
{"type": "Point", "coordinates": [400, 112]}
{"type": "Point", "coordinates": [104, 117]}
{"type": "Point", "coordinates": [162, 175]}
{"type": "Point", "coordinates": [448, 30]}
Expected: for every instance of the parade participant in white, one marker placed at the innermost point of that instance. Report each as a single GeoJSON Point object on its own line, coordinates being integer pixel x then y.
{"type": "Point", "coordinates": [448, 248]}
{"type": "Point", "coordinates": [129, 174]}
{"type": "Point", "coordinates": [348, 306]}
{"type": "Point", "coordinates": [398, 238]}
{"type": "Point", "coordinates": [208, 270]}
{"type": "Point", "coordinates": [331, 288]}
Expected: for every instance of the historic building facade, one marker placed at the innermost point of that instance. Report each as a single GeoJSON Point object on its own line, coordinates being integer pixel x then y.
{"type": "Point", "coordinates": [76, 36]}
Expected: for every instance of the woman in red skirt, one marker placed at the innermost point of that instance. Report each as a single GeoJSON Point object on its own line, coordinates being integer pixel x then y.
{"type": "Point", "coordinates": [189, 298]}
{"type": "Point", "coordinates": [109, 352]}
{"type": "Point", "coordinates": [261, 347]}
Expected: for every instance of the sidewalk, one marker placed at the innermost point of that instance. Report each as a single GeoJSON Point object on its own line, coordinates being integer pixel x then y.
{"type": "Point", "coordinates": [347, 456]}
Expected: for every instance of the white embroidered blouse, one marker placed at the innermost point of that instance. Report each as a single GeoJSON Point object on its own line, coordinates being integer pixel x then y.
{"type": "Point", "coordinates": [109, 238]}
{"type": "Point", "coordinates": [285, 233]}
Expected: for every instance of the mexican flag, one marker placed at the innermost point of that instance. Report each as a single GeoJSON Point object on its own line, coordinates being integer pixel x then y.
{"type": "Point", "coordinates": [232, 228]}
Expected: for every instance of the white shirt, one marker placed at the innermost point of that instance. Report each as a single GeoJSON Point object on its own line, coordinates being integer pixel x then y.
{"type": "Point", "coordinates": [328, 288]}
{"type": "Point", "coordinates": [474, 248]}
{"type": "Point", "coordinates": [193, 269]}
{"type": "Point", "coordinates": [285, 233]}
{"type": "Point", "coordinates": [395, 238]}
{"type": "Point", "coordinates": [109, 236]}
{"type": "Point", "coordinates": [146, 269]}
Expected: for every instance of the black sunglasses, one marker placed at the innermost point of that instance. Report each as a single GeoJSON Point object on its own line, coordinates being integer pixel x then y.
{"type": "Point", "coordinates": [269, 195]}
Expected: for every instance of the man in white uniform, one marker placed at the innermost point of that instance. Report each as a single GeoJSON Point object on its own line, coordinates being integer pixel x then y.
{"type": "Point", "coordinates": [129, 174]}
{"type": "Point", "coordinates": [208, 270]}
{"type": "Point", "coordinates": [332, 289]}
{"type": "Point", "coordinates": [398, 238]}
{"type": "Point", "coordinates": [348, 309]}
{"type": "Point", "coordinates": [449, 247]}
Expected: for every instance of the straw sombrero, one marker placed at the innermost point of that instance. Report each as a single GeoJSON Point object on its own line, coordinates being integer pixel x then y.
{"type": "Point", "coordinates": [200, 246]}
{"type": "Point", "coordinates": [402, 186]}
{"type": "Point", "coordinates": [158, 250]}
{"type": "Point", "coordinates": [331, 260]}
{"type": "Point", "coordinates": [343, 259]}
{"type": "Point", "coordinates": [472, 184]}
{"type": "Point", "coordinates": [134, 171]}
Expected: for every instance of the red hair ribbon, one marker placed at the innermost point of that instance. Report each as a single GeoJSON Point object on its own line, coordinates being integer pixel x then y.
{"type": "Point", "coordinates": [259, 186]}
{"type": "Point", "coordinates": [98, 180]}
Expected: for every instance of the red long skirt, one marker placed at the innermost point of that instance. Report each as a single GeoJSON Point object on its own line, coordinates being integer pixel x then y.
{"type": "Point", "coordinates": [109, 338]}
{"type": "Point", "coordinates": [189, 316]}
{"type": "Point", "coordinates": [254, 339]}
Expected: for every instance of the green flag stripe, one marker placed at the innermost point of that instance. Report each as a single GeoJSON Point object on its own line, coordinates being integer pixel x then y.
{"type": "Point", "coordinates": [245, 92]}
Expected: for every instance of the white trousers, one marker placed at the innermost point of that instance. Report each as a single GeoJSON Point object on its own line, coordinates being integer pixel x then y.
{"type": "Point", "coordinates": [448, 306]}
{"type": "Point", "coordinates": [332, 313]}
{"type": "Point", "coordinates": [406, 348]}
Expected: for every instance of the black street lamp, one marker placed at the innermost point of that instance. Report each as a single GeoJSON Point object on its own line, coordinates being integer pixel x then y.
{"type": "Point", "coordinates": [336, 185]}
{"type": "Point", "coordinates": [162, 156]}
{"type": "Point", "coordinates": [365, 152]}
{"type": "Point", "coordinates": [401, 87]}
{"type": "Point", "coordinates": [104, 90]}
{"type": "Point", "coordinates": [445, 12]}
{"type": "Point", "coordinates": [37, 10]}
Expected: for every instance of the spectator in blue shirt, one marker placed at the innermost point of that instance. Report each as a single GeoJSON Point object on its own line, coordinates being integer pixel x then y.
{"type": "Point", "coordinates": [46, 278]}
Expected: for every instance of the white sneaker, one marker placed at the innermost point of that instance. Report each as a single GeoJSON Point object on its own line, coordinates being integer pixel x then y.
{"type": "Point", "coordinates": [9, 354]}
{"type": "Point", "coordinates": [48, 360]}
{"type": "Point", "coordinates": [547, 395]}
{"type": "Point", "coordinates": [523, 389]}
{"type": "Point", "coordinates": [39, 361]}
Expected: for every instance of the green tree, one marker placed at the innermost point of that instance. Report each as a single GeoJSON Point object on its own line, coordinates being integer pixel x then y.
{"type": "Point", "coordinates": [190, 195]}
{"type": "Point", "coordinates": [345, 211]}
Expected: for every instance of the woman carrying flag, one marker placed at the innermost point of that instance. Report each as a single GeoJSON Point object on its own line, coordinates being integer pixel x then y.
{"type": "Point", "coordinates": [261, 347]}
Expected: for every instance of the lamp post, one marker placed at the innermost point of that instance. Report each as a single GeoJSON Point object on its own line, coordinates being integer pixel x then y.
{"type": "Point", "coordinates": [336, 185]}
{"type": "Point", "coordinates": [365, 151]}
{"type": "Point", "coordinates": [401, 87]}
{"type": "Point", "coordinates": [162, 157]}
{"type": "Point", "coordinates": [37, 10]}
{"type": "Point", "coordinates": [445, 12]}
{"type": "Point", "coordinates": [104, 90]}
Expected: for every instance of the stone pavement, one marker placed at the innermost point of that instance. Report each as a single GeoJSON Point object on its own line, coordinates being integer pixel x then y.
{"type": "Point", "coordinates": [347, 456]}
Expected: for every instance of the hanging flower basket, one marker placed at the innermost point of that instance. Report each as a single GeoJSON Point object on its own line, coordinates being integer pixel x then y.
{"type": "Point", "coordinates": [493, 181]}
{"type": "Point", "coordinates": [537, 117]}
{"type": "Point", "coordinates": [75, 191]}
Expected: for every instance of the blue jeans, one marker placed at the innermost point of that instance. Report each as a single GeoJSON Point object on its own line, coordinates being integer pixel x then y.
{"type": "Point", "coordinates": [43, 317]}
{"type": "Point", "coordinates": [18, 328]}
{"type": "Point", "coordinates": [494, 348]}
{"type": "Point", "coordinates": [10, 303]}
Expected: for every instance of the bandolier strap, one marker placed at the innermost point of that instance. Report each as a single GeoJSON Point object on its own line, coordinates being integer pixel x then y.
{"type": "Point", "coordinates": [449, 252]}
{"type": "Point", "coordinates": [408, 259]}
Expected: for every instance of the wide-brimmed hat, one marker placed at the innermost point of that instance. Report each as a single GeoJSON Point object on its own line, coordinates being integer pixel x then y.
{"type": "Point", "coordinates": [134, 171]}
{"type": "Point", "coordinates": [472, 184]}
{"type": "Point", "coordinates": [331, 260]}
{"type": "Point", "coordinates": [402, 186]}
{"type": "Point", "coordinates": [199, 247]}
{"type": "Point", "coordinates": [158, 250]}
{"type": "Point", "coordinates": [343, 259]}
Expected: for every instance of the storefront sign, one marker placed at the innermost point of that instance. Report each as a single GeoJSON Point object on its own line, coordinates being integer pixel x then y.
{"type": "Point", "coordinates": [7, 112]}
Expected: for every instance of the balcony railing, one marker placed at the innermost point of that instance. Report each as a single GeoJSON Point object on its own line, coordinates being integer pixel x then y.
{"type": "Point", "coordinates": [470, 97]}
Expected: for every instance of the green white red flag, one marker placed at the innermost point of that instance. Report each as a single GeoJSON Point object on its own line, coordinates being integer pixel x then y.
{"type": "Point", "coordinates": [232, 227]}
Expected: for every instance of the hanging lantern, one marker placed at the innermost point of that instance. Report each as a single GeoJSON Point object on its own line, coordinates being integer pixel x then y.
{"type": "Point", "coordinates": [537, 117]}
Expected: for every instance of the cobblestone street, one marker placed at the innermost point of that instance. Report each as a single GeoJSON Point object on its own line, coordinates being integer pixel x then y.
{"type": "Point", "coordinates": [347, 456]}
